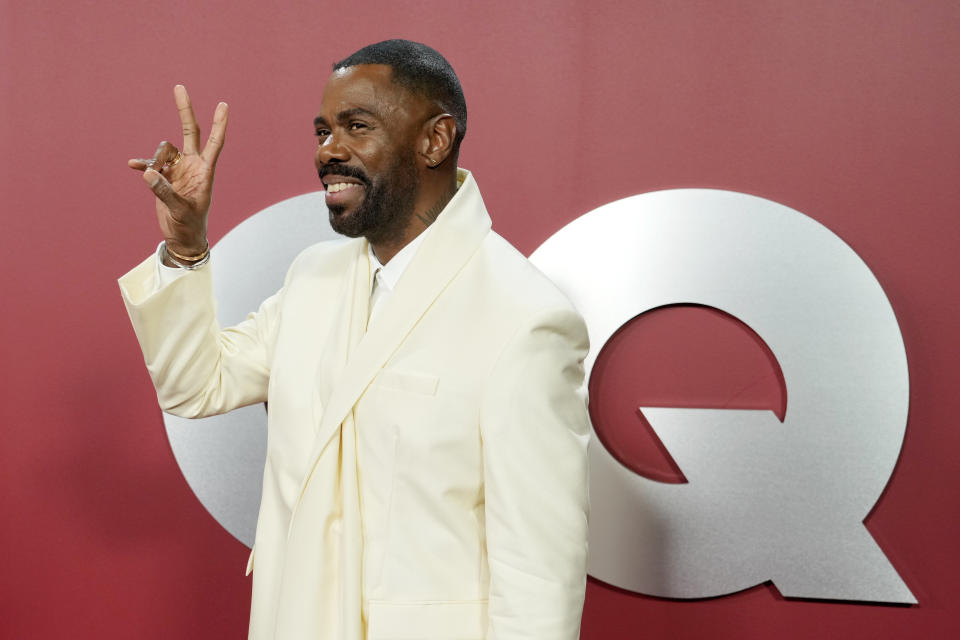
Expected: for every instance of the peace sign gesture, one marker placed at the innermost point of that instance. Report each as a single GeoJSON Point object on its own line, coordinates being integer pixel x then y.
{"type": "Point", "coordinates": [182, 180]}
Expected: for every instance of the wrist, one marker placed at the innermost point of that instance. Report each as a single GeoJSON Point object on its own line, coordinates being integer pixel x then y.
{"type": "Point", "coordinates": [187, 251]}
{"type": "Point", "coordinates": [172, 258]}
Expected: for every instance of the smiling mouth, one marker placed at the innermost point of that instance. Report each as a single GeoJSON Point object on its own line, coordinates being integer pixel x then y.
{"type": "Point", "coordinates": [337, 187]}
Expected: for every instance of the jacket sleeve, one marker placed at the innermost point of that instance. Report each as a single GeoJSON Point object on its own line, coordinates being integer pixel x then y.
{"type": "Point", "coordinates": [535, 431]}
{"type": "Point", "coordinates": [198, 369]}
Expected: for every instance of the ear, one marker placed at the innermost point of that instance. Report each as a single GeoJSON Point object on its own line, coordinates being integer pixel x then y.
{"type": "Point", "coordinates": [436, 144]}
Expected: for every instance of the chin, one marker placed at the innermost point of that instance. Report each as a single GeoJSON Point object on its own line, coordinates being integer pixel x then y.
{"type": "Point", "coordinates": [344, 222]}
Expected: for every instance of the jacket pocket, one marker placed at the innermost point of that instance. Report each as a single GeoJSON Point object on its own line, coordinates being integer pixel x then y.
{"type": "Point", "coordinates": [408, 381]}
{"type": "Point", "coordinates": [433, 620]}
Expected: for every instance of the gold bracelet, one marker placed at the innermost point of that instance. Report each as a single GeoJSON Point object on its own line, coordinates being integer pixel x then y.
{"type": "Point", "coordinates": [197, 258]}
{"type": "Point", "coordinates": [189, 266]}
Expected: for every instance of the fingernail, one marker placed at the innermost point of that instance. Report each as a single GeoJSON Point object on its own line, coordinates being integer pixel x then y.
{"type": "Point", "coordinates": [151, 177]}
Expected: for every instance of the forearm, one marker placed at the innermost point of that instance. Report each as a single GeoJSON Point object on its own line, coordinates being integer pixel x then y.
{"type": "Point", "coordinates": [196, 368]}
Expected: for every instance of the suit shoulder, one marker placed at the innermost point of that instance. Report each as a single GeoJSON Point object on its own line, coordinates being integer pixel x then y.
{"type": "Point", "coordinates": [325, 255]}
{"type": "Point", "coordinates": [515, 281]}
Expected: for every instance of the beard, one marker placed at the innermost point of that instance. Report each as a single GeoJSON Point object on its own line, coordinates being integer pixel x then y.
{"type": "Point", "coordinates": [387, 204]}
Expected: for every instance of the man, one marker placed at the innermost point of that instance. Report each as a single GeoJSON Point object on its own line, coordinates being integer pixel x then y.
{"type": "Point", "coordinates": [426, 455]}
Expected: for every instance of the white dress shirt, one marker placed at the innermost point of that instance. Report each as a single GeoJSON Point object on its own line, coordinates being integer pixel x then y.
{"type": "Point", "coordinates": [384, 278]}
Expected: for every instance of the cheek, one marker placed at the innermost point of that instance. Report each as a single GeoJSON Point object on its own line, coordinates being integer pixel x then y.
{"type": "Point", "coordinates": [369, 158]}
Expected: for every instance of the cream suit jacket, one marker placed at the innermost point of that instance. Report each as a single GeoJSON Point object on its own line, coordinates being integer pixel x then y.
{"type": "Point", "coordinates": [432, 469]}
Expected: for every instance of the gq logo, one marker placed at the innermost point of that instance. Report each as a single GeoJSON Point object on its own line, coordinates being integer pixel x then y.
{"type": "Point", "coordinates": [764, 500]}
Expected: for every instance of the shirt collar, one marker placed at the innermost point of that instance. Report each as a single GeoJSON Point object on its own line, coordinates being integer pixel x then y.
{"type": "Point", "coordinates": [387, 275]}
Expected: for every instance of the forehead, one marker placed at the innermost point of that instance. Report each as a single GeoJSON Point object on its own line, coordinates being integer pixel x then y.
{"type": "Point", "coordinates": [369, 87]}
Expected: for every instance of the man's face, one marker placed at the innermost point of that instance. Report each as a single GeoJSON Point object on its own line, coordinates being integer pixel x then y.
{"type": "Point", "coordinates": [367, 130]}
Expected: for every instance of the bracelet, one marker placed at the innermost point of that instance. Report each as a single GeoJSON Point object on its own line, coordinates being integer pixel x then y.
{"type": "Point", "coordinates": [204, 258]}
{"type": "Point", "coordinates": [203, 254]}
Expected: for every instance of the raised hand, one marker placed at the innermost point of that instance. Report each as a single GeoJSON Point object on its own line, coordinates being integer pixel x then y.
{"type": "Point", "coordinates": [182, 180]}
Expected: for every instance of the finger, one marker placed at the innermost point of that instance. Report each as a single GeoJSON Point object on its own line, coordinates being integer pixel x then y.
{"type": "Point", "coordinates": [137, 163]}
{"type": "Point", "coordinates": [218, 132]}
{"type": "Point", "coordinates": [166, 153]}
{"type": "Point", "coordinates": [161, 188]}
{"type": "Point", "coordinates": [191, 130]}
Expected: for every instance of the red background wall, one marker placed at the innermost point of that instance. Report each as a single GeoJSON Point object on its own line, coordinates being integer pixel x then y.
{"type": "Point", "coordinates": [847, 111]}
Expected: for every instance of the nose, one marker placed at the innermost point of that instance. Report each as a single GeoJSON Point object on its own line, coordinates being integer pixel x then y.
{"type": "Point", "coordinates": [330, 150]}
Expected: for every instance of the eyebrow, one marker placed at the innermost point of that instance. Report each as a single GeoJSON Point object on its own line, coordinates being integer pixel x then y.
{"type": "Point", "coordinates": [347, 114]}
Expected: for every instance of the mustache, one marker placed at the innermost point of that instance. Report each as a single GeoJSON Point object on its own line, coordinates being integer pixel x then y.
{"type": "Point", "coordinates": [343, 170]}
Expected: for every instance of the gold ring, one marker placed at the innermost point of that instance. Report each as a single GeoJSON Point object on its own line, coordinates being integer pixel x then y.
{"type": "Point", "coordinates": [175, 160]}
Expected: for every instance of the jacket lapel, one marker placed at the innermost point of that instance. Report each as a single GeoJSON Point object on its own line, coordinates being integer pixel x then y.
{"type": "Point", "coordinates": [452, 241]}
{"type": "Point", "coordinates": [345, 332]}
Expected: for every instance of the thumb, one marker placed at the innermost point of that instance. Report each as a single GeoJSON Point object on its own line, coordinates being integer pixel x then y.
{"type": "Point", "coordinates": [160, 187]}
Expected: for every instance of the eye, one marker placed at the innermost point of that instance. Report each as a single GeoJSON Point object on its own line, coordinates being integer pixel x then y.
{"type": "Point", "coordinates": [322, 133]}
{"type": "Point", "coordinates": [357, 126]}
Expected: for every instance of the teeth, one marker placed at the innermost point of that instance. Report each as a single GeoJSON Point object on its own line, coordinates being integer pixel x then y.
{"type": "Point", "coordinates": [340, 186]}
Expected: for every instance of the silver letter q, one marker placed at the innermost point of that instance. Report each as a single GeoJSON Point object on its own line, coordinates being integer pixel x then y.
{"type": "Point", "coordinates": [765, 500]}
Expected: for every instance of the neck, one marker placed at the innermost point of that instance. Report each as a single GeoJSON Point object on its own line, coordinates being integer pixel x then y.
{"type": "Point", "coordinates": [428, 215]}
{"type": "Point", "coordinates": [423, 216]}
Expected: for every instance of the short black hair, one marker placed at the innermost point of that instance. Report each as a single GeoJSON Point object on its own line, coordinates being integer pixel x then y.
{"type": "Point", "coordinates": [420, 69]}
